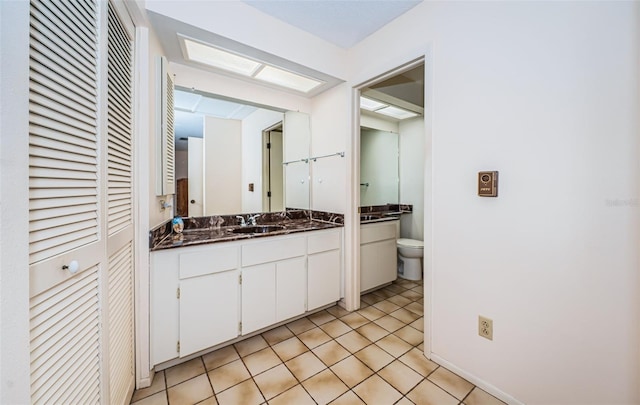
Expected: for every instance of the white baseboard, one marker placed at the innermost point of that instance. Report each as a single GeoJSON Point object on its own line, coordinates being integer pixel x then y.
{"type": "Point", "coordinates": [501, 395]}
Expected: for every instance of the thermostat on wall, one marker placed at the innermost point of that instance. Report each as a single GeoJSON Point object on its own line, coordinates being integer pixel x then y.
{"type": "Point", "coordinates": [488, 184]}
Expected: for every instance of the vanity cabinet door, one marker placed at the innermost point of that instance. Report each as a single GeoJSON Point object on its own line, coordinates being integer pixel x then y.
{"type": "Point", "coordinates": [378, 263]}
{"type": "Point", "coordinates": [258, 297]}
{"type": "Point", "coordinates": [378, 254]}
{"type": "Point", "coordinates": [291, 288]}
{"type": "Point", "coordinates": [272, 292]}
{"type": "Point", "coordinates": [165, 306]}
{"type": "Point", "coordinates": [323, 284]}
{"type": "Point", "coordinates": [209, 312]}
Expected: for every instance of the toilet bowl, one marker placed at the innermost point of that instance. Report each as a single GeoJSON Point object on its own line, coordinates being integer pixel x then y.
{"type": "Point", "coordinates": [410, 252]}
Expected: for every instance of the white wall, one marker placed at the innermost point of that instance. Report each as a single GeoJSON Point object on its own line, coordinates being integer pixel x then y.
{"type": "Point", "coordinates": [252, 127]}
{"type": "Point", "coordinates": [222, 166]}
{"type": "Point", "coordinates": [379, 167]}
{"type": "Point", "coordinates": [373, 122]}
{"type": "Point", "coordinates": [330, 132]}
{"type": "Point", "coordinates": [412, 169]}
{"type": "Point", "coordinates": [189, 77]}
{"type": "Point", "coordinates": [14, 207]}
{"type": "Point", "coordinates": [548, 94]}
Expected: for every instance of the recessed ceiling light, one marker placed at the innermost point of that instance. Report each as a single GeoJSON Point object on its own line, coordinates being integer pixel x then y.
{"type": "Point", "coordinates": [396, 112]}
{"type": "Point", "coordinates": [287, 79]}
{"type": "Point", "coordinates": [219, 58]}
{"type": "Point", "coordinates": [371, 105]}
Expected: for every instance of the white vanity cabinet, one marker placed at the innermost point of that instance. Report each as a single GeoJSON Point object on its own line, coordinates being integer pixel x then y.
{"type": "Point", "coordinates": [378, 253]}
{"type": "Point", "coordinates": [274, 279]}
{"type": "Point", "coordinates": [324, 269]}
{"type": "Point", "coordinates": [202, 296]}
{"type": "Point", "coordinates": [190, 287]}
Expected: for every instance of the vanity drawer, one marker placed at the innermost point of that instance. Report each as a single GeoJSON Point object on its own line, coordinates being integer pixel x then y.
{"type": "Point", "coordinates": [323, 242]}
{"type": "Point", "coordinates": [271, 251]}
{"type": "Point", "coordinates": [378, 231]}
{"type": "Point", "coordinates": [208, 261]}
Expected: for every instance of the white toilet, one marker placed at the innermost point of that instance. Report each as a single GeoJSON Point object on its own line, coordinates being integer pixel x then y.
{"type": "Point", "coordinates": [410, 252]}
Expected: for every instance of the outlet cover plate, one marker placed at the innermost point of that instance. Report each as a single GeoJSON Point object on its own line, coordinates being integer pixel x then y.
{"type": "Point", "coordinates": [485, 327]}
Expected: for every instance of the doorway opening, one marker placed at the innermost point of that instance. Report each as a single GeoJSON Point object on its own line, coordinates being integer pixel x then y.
{"type": "Point", "coordinates": [403, 94]}
{"type": "Point", "coordinates": [272, 169]}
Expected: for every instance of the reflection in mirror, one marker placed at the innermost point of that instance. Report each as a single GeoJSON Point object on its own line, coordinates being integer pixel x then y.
{"type": "Point", "coordinates": [297, 144]}
{"type": "Point", "coordinates": [230, 154]}
{"type": "Point", "coordinates": [389, 110]}
{"type": "Point", "coordinates": [379, 178]}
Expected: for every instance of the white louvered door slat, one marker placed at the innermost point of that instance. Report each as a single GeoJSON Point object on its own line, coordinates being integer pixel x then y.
{"type": "Point", "coordinates": [165, 184]}
{"type": "Point", "coordinates": [120, 207]}
{"type": "Point", "coordinates": [62, 355]}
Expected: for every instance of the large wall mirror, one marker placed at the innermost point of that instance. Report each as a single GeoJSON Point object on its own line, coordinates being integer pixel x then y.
{"type": "Point", "coordinates": [379, 167]}
{"type": "Point", "coordinates": [235, 157]}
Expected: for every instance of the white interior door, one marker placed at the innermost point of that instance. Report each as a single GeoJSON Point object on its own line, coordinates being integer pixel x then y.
{"type": "Point", "coordinates": [276, 174]}
{"type": "Point", "coordinates": [196, 181]}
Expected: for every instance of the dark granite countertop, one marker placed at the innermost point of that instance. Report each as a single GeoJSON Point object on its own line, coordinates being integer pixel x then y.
{"type": "Point", "coordinates": [380, 213]}
{"type": "Point", "coordinates": [379, 217]}
{"type": "Point", "coordinates": [215, 229]}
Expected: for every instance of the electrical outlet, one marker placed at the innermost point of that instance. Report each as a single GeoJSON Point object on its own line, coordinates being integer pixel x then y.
{"type": "Point", "coordinates": [485, 327]}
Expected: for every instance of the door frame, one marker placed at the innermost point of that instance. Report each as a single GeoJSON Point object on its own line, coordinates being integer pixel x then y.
{"type": "Point", "coordinates": [352, 293]}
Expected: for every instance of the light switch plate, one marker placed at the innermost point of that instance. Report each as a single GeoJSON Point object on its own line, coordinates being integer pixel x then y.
{"type": "Point", "coordinates": [488, 184]}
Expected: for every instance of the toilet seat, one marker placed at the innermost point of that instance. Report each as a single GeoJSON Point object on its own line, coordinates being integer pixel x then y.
{"type": "Point", "coordinates": [410, 243]}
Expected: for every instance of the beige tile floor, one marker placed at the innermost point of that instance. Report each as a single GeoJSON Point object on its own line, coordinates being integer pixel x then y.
{"type": "Point", "coordinates": [370, 356]}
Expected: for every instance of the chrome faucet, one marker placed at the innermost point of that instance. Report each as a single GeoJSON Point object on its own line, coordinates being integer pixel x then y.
{"type": "Point", "coordinates": [242, 222]}
{"type": "Point", "coordinates": [252, 219]}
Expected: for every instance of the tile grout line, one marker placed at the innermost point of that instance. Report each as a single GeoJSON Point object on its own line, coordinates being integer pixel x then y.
{"type": "Point", "coordinates": [383, 297]}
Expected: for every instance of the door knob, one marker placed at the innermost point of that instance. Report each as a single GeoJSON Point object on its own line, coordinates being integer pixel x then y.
{"type": "Point", "coordinates": [72, 267]}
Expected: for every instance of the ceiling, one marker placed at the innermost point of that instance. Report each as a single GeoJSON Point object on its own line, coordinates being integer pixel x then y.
{"type": "Point", "coordinates": [341, 22]}
{"type": "Point", "coordinates": [404, 90]}
{"type": "Point", "coordinates": [169, 31]}
{"type": "Point", "coordinates": [407, 86]}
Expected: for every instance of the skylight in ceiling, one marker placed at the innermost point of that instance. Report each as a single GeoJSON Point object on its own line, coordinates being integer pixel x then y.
{"type": "Point", "coordinates": [396, 112]}
{"type": "Point", "coordinates": [385, 109]}
{"type": "Point", "coordinates": [220, 59]}
{"type": "Point", "coordinates": [287, 79]}
{"type": "Point", "coordinates": [371, 105]}
{"type": "Point", "coordinates": [238, 64]}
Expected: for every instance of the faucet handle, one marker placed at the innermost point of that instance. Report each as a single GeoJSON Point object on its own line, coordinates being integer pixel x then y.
{"type": "Point", "coordinates": [242, 222]}
{"type": "Point", "coordinates": [252, 219]}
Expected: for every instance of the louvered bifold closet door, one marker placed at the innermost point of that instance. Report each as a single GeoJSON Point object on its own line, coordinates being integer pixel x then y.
{"type": "Point", "coordinates": [64, 203]}
{"type": "Point", "coordinates": [166, 183]}
{"type": "Point", "coordinates": [120, 207]}
{"type": "Point", "coordinates": [169, 147]}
